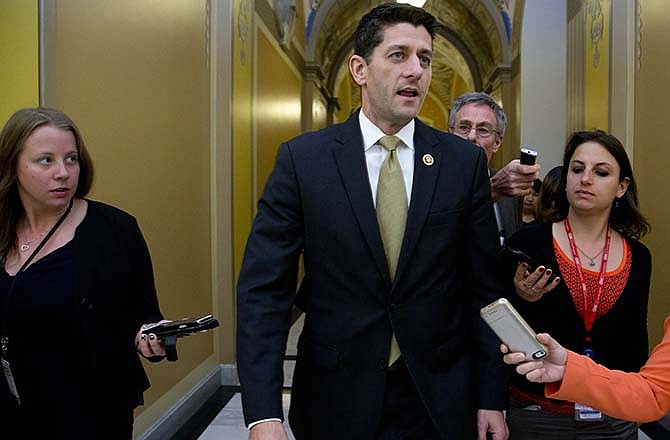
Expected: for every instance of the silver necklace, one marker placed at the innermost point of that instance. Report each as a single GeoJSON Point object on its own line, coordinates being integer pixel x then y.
{"type": "Point", "coordinates": [592, 260]}
{"type": "Point", "coordinates": [25, 246]}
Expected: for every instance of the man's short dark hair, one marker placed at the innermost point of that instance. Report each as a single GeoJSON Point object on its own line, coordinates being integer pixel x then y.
{"type": "Point", "coordinates": [370, 31]}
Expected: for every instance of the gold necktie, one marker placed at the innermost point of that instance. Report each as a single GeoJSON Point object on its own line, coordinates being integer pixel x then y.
{"type": "Point", "coordinates": [391, 213]}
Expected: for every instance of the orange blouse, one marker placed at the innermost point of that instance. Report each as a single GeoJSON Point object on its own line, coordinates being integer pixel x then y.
{"type": "Point", "coordinates": [615, 280]}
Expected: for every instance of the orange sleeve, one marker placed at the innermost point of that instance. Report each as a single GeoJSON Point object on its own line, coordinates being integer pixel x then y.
{"type": "Point", "coordinates": [638, 397]}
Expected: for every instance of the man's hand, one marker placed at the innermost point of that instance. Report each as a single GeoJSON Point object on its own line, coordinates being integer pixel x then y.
{"type": "Point", "coordinates": [549, 369]}
{"type": "Point", "coordinates": [492, 421]}
{"type": "Point", "coordinates": [268, 431]}
{"type": "Point", "coordinates": [513, 180]}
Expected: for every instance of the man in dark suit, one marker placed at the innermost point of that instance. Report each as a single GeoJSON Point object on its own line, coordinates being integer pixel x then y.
{"type": "Point", "coordinates": [395, 223]}
{"type": "Point", "coordinates": [476, 116]}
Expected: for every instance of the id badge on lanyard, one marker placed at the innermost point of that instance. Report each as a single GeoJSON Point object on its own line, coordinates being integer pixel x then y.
{"type": "Point", "coordinates": [585, 413]}
{"type": "Point", "coordinates": [9, 378]}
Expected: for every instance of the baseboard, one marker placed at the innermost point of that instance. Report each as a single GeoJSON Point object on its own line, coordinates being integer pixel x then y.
{"type": "Point", "coordinates": [229, 375]}
{"type": "Point", "coordinates": [177, 415]}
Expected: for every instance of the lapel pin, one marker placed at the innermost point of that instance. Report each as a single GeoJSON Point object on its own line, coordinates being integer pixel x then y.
{"type": "Point", "coordinates": [428, 159]}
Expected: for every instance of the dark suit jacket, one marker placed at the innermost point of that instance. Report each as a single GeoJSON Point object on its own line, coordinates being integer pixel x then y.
{"type": "Point", "coordinates": [114, 282]}
{"type": "Point", "coordinates": [510, 213]}
{"type": "Point", "coordinates": [318, 201]}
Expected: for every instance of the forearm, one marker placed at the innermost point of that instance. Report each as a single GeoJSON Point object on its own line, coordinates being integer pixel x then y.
{"type": "Point", "coordinates": [640, 397]}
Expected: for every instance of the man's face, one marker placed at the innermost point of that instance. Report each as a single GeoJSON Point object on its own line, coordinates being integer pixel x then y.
{"type": "Point", "coordinates": [479, 118]}
{"type": "Point", "coordinates": [395, 81]}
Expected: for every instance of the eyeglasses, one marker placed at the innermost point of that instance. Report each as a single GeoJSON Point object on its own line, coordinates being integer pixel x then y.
{"type": "Point", "coordinates": [481, 131]}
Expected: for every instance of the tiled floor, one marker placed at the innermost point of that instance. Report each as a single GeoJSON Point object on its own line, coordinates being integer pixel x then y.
{"type": "Point", "coordinates": [229, 424]}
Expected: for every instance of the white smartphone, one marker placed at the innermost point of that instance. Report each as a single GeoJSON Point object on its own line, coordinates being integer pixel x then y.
{"type": "Point", "coordinates": [512, 329]}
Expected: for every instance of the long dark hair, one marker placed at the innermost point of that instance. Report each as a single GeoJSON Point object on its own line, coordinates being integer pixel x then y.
{"type": "Point", "coordinates": [550, 190]}
{"type": "Point", "coordinates": [625, 216]}
{"type": "Point", "coordinates": [13, 137]}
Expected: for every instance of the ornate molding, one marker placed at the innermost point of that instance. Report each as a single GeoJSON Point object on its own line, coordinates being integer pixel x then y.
{"type": "Point", "coordinates": [638, 35]}
{"type": "Point", "coordinates": [333, 104]}
{"type": "Point", "coordinates": [243, 28]}
{"type": "Point", "coordinates": [595, 11]}
{"type": "Point", "coordinates": [313, 72]}
{"type": "Point", "coordinates": [285, 17]}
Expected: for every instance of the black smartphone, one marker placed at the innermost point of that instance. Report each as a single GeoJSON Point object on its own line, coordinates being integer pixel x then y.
{"type": "Point", "coordinates": [528, 156]}
{"type": "Point", "coordinates": [182, 327]}
{"type": "Point", "coordinates": [521, 256]}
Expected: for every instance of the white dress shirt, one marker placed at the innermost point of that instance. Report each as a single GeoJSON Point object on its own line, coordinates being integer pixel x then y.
{"type": "Point", "coordinates": [375, 153]}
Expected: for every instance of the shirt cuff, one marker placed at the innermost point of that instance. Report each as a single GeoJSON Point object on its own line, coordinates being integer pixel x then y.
{"type": "Point", "coordinates": [252, 424]}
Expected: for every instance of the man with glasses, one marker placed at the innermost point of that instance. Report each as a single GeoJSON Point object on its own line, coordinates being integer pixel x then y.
{"type": "Point", "coordinates": [475, 116]}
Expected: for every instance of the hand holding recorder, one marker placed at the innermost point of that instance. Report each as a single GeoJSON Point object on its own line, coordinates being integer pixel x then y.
{"type": "Point", "coordinates": [165, 333]}
{"type": "Point", "coordinates": [516, 178]}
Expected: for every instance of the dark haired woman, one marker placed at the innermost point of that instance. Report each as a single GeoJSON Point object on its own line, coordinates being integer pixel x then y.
{"type": "Point", "coordinates": [76, 286]}
{"type": "Point", "coordinates": [547, 211]}
{"type": "Point", "coordinates": [529, 206]}
{"type": "Point", "coordinates": [601, 303]}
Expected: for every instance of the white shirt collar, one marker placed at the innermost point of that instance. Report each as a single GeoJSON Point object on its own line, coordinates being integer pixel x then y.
{"type": "Point", "coordinates": [372, 133]}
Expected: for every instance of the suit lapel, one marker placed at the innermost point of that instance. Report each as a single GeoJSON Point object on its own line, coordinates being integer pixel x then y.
{"type": "Point", "coordinates": [423, 187]}
{"type": "Point", "coordinates": [350, 159]}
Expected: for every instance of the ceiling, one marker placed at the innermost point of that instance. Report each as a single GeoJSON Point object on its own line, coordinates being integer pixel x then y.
{"type": "Point", "coordinates": [467, 48]}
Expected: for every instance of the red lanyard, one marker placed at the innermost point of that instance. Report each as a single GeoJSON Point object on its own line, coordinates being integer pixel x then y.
{"type": "Point", "coordinates": [589, 313]}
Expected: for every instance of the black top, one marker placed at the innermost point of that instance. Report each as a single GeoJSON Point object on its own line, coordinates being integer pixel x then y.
{"type": "Point", "coordinates": [72, 348]}
{"type": "Point", "coordinates": [48, 378]}
{"type": "Point", "coordinates": [619, 337]}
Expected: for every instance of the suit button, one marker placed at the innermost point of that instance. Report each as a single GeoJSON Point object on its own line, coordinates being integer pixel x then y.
{"type": "Point", "coordinates": [381, 364]}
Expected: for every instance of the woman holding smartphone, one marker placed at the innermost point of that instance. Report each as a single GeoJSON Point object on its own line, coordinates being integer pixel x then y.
{"type": "Point", "coordinates": [600, 304]}
{"type": "Point", "coordinates": [76, 286]}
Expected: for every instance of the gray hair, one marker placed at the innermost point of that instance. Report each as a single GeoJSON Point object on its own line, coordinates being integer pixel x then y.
{"type": "Point", "coordinates": [478, 98]}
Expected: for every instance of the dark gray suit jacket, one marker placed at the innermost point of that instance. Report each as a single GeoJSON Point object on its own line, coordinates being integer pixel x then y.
{"type": "Point", "coordinates": [510, 213]}
{"type": "Point", "coordinates": [318, 202]}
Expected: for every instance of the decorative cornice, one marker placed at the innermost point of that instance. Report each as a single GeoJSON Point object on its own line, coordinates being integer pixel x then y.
{"type": "Point", "coordinates": [313, 72]}
{"type": "Point", "coordinates": [333, 104]}
{"type": "Point", "coordinates": [597, 29]}
{"type": "Point", "coordinates": [243, 28]}
{"type": "Point", "coordinates": [502, 72]}
{"type": "Point", "coordinates": [638, 35]}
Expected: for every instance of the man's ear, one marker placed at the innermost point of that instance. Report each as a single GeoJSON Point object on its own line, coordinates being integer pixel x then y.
{"type": "Point", "coordinates": [497, 143]}
{"type": "Point", "coordinates": [358, 69]}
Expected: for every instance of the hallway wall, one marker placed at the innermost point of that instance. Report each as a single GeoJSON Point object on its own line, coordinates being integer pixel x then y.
{"type": "Point", "coordinates": [276, 110]}
{"type": "Point", "coordinates": [19, 52]}
{"type": "Point", "coordinates": [543, 79]}
{"type": "Point", "coordinates": [651, 158]}
{"type": "Point", "coordinates": [135, 78]}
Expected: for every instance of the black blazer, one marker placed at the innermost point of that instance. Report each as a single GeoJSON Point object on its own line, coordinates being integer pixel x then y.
{"type": "Point", "coordinates": [620, 338]}
{"type": "Point", "coordinates": [114, 282]}
{"type": "Point", "coordinates": [318, 202]}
